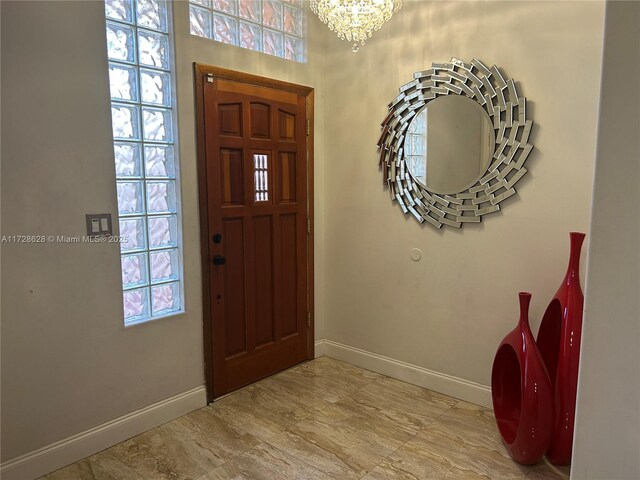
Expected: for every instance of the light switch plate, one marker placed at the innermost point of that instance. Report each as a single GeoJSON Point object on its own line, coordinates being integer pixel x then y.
{"type": "Point", "coordinates": [99, 225]}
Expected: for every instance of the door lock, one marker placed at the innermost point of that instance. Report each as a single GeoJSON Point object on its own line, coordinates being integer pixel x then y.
{"type": "Point", "coordinates": [219, 260]}
{"type": "Point", "coordinates": [217, 238]}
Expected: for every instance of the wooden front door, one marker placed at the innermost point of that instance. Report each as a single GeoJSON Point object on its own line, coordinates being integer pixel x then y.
{"type": "Point", "coordinates": [254, 202]}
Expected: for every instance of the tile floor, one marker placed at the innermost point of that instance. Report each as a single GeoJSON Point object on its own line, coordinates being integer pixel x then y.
{"type": "Point", "coordinates": [320, 420]}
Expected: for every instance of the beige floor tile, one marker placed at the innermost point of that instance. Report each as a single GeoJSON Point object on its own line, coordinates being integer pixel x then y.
{"type": "Point", "coordinates": [411, 463]}
{"type": "Point", "coordinates": [326, 379]}
{"type": "Point", "coordinates": [220, 438]}
{"type": "Point", "coordinates": [287, 384]}
{"type": "Point", "coordinates": [438, 436]}
{"type": "Point", "coordinates": [261, 410]}
{"type": "Point", "coordinates": [473, 424]}
{"type": "Point", "coordinates": [330, 366]}
{"type": "Point", "coordinates": [101, 466]}
{"type": "Point", "coordinates": [468, 455]}
{"type": "Point", "coordinates": [546, 471]}
{"type": "Point", "coordinates": [168, 452]}
{"type": "Point", "coordinates": [383, 422]}
{"type": "Point", "coordinates": [459, 474]}
{"type": "Point", "coordinates": [513, 472]}
{"type": "Point", "coordinates": [479, 461]}
{"type": "Point", "coordinates": [472, 415]}
{"type": "Point", "coordinates": [333, 458]}
{"type": "Point", "coordinates": [243, 417]}
{"type": "Point", "coordinates": [265, 462]}
{"type": "Point", "coordinates": [339, 440]}
{"type": "Point", "coordinates": [468, 437]}
{"type": "Point", "coordinates": [403, 403]}
{"type": "Point", "coordinates": [346, 413]}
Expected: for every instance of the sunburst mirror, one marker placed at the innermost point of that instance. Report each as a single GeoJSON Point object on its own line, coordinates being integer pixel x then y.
{"type": "Point", "coordinates": [454, 143]}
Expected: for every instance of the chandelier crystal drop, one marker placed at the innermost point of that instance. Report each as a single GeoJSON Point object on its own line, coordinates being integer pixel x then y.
{"type": "Point", "coordinates": [355, 20]}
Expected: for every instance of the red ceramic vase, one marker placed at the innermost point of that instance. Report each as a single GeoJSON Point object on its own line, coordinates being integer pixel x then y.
{"type": "Point", "coordinates": [559, 344]}
{"type": "Point", "coordinates": [522, 393]}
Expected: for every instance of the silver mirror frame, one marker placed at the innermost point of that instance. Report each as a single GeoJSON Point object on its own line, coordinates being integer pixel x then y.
{"type": "Point", "coordinates": [499, 98]}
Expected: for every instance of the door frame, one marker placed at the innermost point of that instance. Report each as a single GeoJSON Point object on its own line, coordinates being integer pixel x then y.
{"type": "Point", "coordinates": [200, 71]}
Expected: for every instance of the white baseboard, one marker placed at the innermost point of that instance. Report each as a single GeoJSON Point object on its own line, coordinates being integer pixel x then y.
{"type": "Point", "coordinates": [57, 455]}
{"type": "Point", "coordinates": [319, 348]}
{"type": "Point", "coordinates": [423, 377]}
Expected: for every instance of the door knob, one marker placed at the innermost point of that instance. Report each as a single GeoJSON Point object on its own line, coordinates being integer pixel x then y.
{"type": "Point", "coordinates": [219, 260]}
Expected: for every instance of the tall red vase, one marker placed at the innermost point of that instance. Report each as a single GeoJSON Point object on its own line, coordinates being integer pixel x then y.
{"type": "Point", "coordinates": [559, 344]}
{"type": "Point", "coordinates": [521, 392]}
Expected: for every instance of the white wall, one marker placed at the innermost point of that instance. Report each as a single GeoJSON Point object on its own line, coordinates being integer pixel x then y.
{"type": "Point", "coordinates": [607, 437]}
{"type": "Point", "coordinates": [448, 312]}
{"type": "Point", "coordinates": [68, 363]}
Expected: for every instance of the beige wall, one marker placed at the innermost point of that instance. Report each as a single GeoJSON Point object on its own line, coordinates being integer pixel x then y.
{"type": "Point", "coordinates": [68, 363]}
{"type": "Point", "coordinates": [449, 311]}
{"type": "Point", "coordinates": [607, 439]}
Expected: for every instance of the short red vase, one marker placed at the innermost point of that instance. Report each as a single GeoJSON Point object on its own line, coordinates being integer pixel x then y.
{"type": "Point", "coordinates": [559, 344]}
{"type": "Point", "coordinates": [522, 393]}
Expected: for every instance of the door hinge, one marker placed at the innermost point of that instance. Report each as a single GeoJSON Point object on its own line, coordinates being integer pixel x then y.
{"type": "Point", "coordinates": [308, 127]}
{"type": "Point", "coordinates": [308, 319]}
{"type": "Point", "coordinates": [308, 226]}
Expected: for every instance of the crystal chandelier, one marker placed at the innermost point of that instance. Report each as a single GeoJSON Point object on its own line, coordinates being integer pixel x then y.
{"type": "Point", "coordinates": [355, 20]}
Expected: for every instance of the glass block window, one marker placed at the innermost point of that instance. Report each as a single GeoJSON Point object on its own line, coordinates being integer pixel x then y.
{"type": "Point", "coordinates": [140, 50]}
{"type": "Point", "coordinates": [415, 146]}
{"type": "Point", "coordinates": [275, 27]}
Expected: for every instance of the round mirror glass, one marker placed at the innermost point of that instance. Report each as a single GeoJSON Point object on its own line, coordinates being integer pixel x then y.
{"type": "Point", "coordinates": [449, 144]}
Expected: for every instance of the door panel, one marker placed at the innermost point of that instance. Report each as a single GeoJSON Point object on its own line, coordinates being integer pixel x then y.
{"type": "Point", "coordinates": [231, 119]}
{"type": "Point", "coordinates": [234, 295]}
{"type": "Point", "coordinates": [287, 126]}
{"type": "Point", "coordinates": [263, 245]}
{"type": "Point", "coordinates": [232, 176]}
{"type": "Point", "coordinates": [260, 120]}
{"type": "Point", "coordinates": [289, 274]}
{"type": "Point", "coordinates": [256, 200]}
{"type": "Point", "coordinates": [287, 177]}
